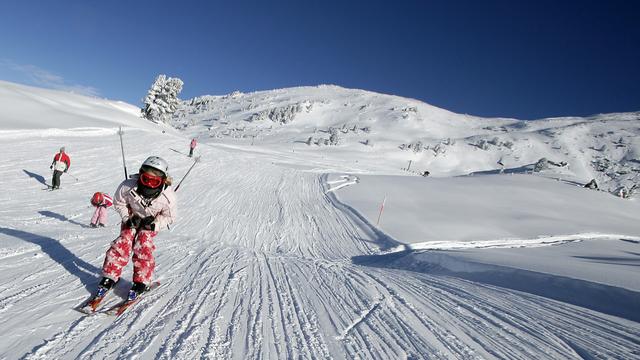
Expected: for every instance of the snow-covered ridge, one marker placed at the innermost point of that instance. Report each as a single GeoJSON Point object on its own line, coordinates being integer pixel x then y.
{"type": "Point", "coordinates": [53, 112]}
{"type": "Point", "coordinates": [384, 132]}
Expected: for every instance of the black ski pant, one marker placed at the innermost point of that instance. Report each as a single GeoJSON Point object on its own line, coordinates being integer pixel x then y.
{"type": "Point", "coordinates": [55, 183]}
{"type": "Point", "coordinates": [190, 152]}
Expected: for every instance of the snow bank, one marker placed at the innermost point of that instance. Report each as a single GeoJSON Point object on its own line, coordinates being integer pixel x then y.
{"type": "Point", "coordinates": [488, 209]}
{"type": "Point", "coordinates": [29, 108]}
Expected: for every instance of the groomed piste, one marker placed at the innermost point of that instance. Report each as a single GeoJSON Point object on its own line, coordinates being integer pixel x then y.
{"type": "Point", "coordinates": [280, 249]}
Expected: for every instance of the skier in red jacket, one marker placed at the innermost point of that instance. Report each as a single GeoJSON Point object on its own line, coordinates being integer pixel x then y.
{"type": "Point", "coordinates": [61, 163]}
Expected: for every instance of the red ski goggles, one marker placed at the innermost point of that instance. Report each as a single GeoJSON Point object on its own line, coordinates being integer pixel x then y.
{"type": "Point", "coordinates": [150, 180]}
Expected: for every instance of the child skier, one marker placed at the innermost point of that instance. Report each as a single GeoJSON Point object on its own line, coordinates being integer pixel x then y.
{"type": "Point", "coordinates": [146, 205]}
{"type": "Point", "coordinates": [61, 163]}
{"type": "Point", "coordinates": [192, 146]}
{"type": "Point", "coordinates": [101, 201]}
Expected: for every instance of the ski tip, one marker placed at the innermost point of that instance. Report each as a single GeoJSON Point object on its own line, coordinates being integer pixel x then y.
{"type": "Point", "coordinates": [120, 309]}
{"type": "Point", "coordinates": [85, 310]}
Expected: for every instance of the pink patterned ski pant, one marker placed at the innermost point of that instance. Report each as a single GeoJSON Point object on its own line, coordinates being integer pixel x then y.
{"type": "Point", "coordinates": [118, 254]}
{"type": "Point", "coordinates": [100, 216]}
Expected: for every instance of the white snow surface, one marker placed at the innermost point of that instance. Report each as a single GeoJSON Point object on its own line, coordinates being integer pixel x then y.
{"type": "Point", "coordinates": [276, 252]}
{"type": "Point", "coordinates": [45, 112]}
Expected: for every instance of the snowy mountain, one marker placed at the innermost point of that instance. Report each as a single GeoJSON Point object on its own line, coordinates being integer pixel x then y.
{"type": "Point", "coordinates": [385, 132]}
{"type": "Point", "coordinates": [281, 250]}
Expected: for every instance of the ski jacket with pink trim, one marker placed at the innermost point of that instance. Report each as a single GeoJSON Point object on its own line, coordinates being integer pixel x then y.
{"type": "Point", "coordinates": [128, 202]}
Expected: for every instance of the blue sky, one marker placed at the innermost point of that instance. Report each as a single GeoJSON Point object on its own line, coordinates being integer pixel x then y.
{"type": "Point", "coordinates": [523, 59]}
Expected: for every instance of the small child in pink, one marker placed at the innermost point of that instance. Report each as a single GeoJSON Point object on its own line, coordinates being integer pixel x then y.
{"type": "Point", "coordinates": [101, 201]}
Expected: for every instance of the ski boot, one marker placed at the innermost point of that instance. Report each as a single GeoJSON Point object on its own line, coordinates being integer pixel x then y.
{"type": "Point", "coordinates": [136, 290]}
{"type": "Point", "coordinates": [104, 286]}
{"type": "Point", "coordinates": [135, 294]}
{"type": "Point", "coordinates": [92, 304]}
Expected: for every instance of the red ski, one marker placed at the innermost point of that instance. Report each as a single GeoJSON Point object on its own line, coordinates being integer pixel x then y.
{"type": "Point", "coordinates": [89, 307]}
{"type": "Point", "coordinates": [118, 309]}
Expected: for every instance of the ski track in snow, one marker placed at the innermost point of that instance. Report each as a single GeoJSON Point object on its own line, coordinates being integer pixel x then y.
{"type": "Point", "coordinates": [257, 266]}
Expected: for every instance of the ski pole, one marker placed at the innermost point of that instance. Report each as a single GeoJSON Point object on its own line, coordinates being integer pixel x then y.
{"type": "Point", "coordinates": [73, 176]}
{"type": "Point", "coordinates": [195, 161]}
{"type": "Point", "coordinates": [124, 165]}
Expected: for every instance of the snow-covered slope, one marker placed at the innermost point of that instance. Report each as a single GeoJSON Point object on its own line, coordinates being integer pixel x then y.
{"type": "Point", "coordinates": [385, 132]}
{"type": "Point", "coordinates": [492, 207]}
{"type": "Point", "coordinates": [265, 262]}
{"type": "Point", "coordinates": [45, 111]}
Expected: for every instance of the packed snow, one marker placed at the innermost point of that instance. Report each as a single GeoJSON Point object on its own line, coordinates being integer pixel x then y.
{"type": "Point", "coordinates": [281, 250]}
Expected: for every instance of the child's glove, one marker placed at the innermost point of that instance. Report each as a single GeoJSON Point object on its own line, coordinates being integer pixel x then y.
{"type": "Point", "coordinates": [147, 223]}
{"type": "Point", "coordinates": [133, 222]}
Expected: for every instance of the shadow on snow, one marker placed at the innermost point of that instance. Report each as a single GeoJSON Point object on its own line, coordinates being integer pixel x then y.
{"type": "Point", "coordinates": [84, 271]}
{"type": "Point", "coordinates": [614, 260]}
{"type": "Point", "coordinates": [516, 170]}
{"type": "Point", "coordinates": [179, 152]}
{"type": "Point", "coordinates": [39, 178]}
{"type": "Point", "coordinates": [60, 217]}
{"type": "Point", "coordinates": [382, 240]}
{"type": "Point", "coordinates": [599, 297]}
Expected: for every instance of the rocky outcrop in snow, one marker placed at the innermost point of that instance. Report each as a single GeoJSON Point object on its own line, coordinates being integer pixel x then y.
{"type": "Point", "coordinates": [281, 115]}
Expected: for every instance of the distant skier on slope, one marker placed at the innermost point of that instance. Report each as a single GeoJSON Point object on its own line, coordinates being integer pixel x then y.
{"type": "Point", "coordinates": [61, 163]}
{"type": "Point", "coordinates": [146, 205]}
{"type": "Point", "coordinates": [192, 146]}
{"type": "Point", "coordinates": [101, 201]}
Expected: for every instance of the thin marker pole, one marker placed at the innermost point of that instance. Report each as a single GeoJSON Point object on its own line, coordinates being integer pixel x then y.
{"type": "Point", "coordinates": [381, 209]}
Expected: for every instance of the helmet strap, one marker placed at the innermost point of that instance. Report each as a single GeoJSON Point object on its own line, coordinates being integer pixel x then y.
{"type": "Point", "coordinates": [147, 192]}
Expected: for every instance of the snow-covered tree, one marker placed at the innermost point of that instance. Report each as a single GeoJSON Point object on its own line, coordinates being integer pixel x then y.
{"type": "Point", "coordinates": [448, 142]}
{"type": "Point", "coordinates": [495, 141]}
{"type": "Point", "coordinates": [542, 164]}
{"type": "Point", "coordinates": [482, 144]}
{"type": "Point", "coordinates": [438, 149]}
{"type": "Point", "coordinates": [416, 146]}
{"type": "Point", "coordinates": [334, 139]}
{"type": "Point", "coordinates": [162, 99]}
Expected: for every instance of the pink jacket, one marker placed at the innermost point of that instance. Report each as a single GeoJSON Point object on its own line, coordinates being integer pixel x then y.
{"type": "Point", "coordinates": [107, 201]}
{"type": "Point", "coordinates": [193, 143]}
{"type": "Point", "coordinates": [127, 203]}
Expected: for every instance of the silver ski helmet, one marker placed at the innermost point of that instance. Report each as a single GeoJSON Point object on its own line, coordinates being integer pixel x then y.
{"type": "Point", "coordinates": [157, 163]}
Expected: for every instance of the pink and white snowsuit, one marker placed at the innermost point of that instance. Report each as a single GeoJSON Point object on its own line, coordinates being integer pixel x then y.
{"type": "Point", "coordinates": [100, 215]}
{"type": "Point", "coordinates": [192, 146]}
{"type": "Point", "coordinates": [128, 203]}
